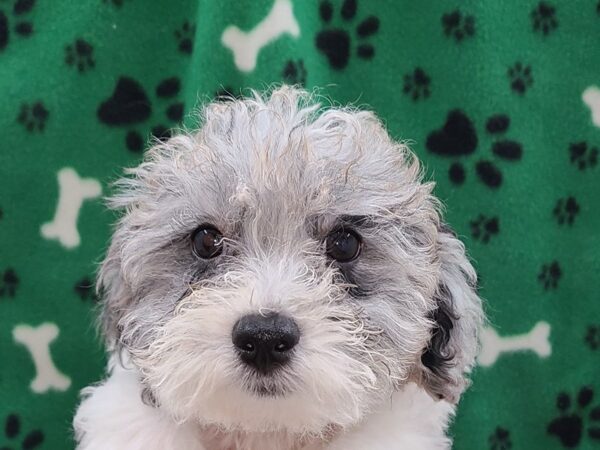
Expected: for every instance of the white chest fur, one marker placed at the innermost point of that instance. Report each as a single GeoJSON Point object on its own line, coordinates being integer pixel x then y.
{"type": "Point", "coordinates": [113, 417]}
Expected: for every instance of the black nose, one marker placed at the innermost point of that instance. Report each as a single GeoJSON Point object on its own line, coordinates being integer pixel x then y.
{"type": "Point", "coordinates": [265, 342]}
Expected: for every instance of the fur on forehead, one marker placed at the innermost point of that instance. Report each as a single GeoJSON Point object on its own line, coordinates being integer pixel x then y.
{"type": "Point", "coordinates": [280, 152]}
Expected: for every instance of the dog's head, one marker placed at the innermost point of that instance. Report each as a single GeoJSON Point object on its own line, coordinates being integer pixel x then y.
{"type": "Point", "coordinates": [285, 267]}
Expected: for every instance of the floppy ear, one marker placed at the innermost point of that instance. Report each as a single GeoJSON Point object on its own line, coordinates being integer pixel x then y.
{"type": "Point", "coordinates": [458, 316]}
{"type": "Point", "coordinates": [113, 291]}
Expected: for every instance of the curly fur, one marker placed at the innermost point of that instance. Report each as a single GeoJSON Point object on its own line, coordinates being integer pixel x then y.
{"type": "Point", "coordinates": [275, 174]}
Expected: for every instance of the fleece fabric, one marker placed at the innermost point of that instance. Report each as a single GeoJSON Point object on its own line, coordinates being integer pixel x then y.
{"type": "Point", "coordinates": [500, 99]}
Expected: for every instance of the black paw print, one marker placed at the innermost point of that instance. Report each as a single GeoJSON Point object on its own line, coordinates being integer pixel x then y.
{"type": "Point", "coordinates": [12, 430]}
{"type": "Point", "coordinates": [80, 54]}
{"type": "Point", "coordinates": [570, 425]}
{"type": "Point", "coordinates": [117, 3]}
{"type": "Point", "coordinates": [294, 72]}
{"type": "Point", "coordinates": [9, 283]}
{"type": "Point", "coordinates": [458, 25]}
{"type": "Point", "coordinates": [84, 288]}
{"type": "Point", "coordinates": [598, 8]}
{"type": "Point", "coordinates": [565, 210]}
{"type": "Point", "coordinates": [550, 275]}
{"type": "Point", "coordinates": [583, 155]}
{"type": "Point", "coordinates": [543, 18]}
{"type": "Point", "coordinates": [22, 27]}
{"type": "Point", "coordinates": [458, 138]}
{"type": "Point", "coordinates": [500, 439]}
{"type": "Point", "coordinates": [335, 43]}
{"type": "Point", "coordinates": [484, 227]}
{"type": "Point", "coordinates": [185, 37]}
{"type": "Point", "coordinates": [592, 337]}
{"type": "Point", "coordinates": [129, 105]}
{"type": "Point", "coordinates": [416, 84]}
{"type": "Point", "coordinates": [520, 77]}
{"type": "Point", "coordinates": [33, 117]}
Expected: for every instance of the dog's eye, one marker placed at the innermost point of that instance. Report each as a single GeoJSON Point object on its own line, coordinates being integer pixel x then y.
{"type": "Point", "coordinates": [207, 241]}
{"type": "Point", "coordinates": [343, 245]}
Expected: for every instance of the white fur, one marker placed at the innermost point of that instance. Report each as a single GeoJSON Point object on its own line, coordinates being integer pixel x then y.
{"type": "Point", "coordinates": [113, 417]}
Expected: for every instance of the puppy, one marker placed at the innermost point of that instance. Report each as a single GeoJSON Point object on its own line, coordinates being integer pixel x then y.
{"type": "Point", "coordinates": [281, 279]}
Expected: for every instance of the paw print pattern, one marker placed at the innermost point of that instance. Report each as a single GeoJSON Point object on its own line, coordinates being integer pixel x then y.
{"type": "Point", "coordinates": [506, 149]}
{"type": "Point", "coordinates": [484, 227]}
{"type": "Point", "coordinates": [520, 77]}
{"type": "Point", "coordinates": [549, 275]}
{"type": "Point", "coordinates": [80, 54]}
{"type": "Point", "coordinates": [458, 138]}
{"type": "Point", "coordinates": [9, 283]}
{"type": "Point", "coordinates": [417, 84]}
{"type": "Point", "coordinates": [543, 18]}
{"type": "Point", "coordinates": [294, 72]}
{"type": "Point", "coordinates": [22, 26]}
{"type": "Point", "coordinates": [12, 432]}
{"type": "Point", "coordinates": [129, 105]}
{"type": "Point", "coordinates": [117, 3]}
{"type": "Point", "coordinates": [583, 155]}
{"type": "Point", "coordinates": [336, 43]}
{"type": "Point", "coordinates": [566, 210]}
{"type": "Point", "coordinates": [455, 139]}
{"type": "Point", "coordinates": [592, 337]}
{"type": "Point", "coordinates": [185, 37]}
{"type": "Point", "coordinates": [458, 25]}
{"type": "Point", "coordinates": [500, 439]}
{"type": "Point", "coordinates": [574, 420]}
{"type": "Point", "coordinates": [84, 288]}
{"type": "Point", "coordinates": [33, 117]}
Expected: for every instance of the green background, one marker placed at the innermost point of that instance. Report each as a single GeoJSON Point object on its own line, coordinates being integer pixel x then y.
{"type": "Point", "coordinates": [466, 62]}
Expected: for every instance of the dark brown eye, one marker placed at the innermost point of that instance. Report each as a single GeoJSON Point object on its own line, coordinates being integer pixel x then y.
{"type": "Point", "coordinates": [207, 241]}
{"type": "Point", "coordinates": [343, 245]}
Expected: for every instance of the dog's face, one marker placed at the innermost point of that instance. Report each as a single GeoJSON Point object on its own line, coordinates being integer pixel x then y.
{"type": "Point", "coordinates": [286, 269]}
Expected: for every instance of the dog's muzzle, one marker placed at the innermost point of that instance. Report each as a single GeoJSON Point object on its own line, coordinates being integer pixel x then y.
{"type": "Point", "coordinates": [265, 342]}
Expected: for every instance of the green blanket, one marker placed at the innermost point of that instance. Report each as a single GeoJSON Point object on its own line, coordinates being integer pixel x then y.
{"type": "Point", "coordinates": [500, 99]}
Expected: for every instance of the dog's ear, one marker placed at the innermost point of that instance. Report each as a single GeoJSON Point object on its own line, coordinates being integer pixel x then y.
{"type": "Point", "coordinates": [112, 289]}
{"type": "Point", "coordinates": [457, 317]}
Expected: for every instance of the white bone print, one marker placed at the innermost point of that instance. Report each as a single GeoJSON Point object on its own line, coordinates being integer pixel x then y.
{"type": "Point", "coordinates": [73, 190]}
{"type": "Point", "coordinates": [246, 46]}
{"type": "Point", "coordinates": [591, 97]}
{"type": "Point", "coordinates": [37, 340]}
{"type": "Point", "coordinates": [493, 345]}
